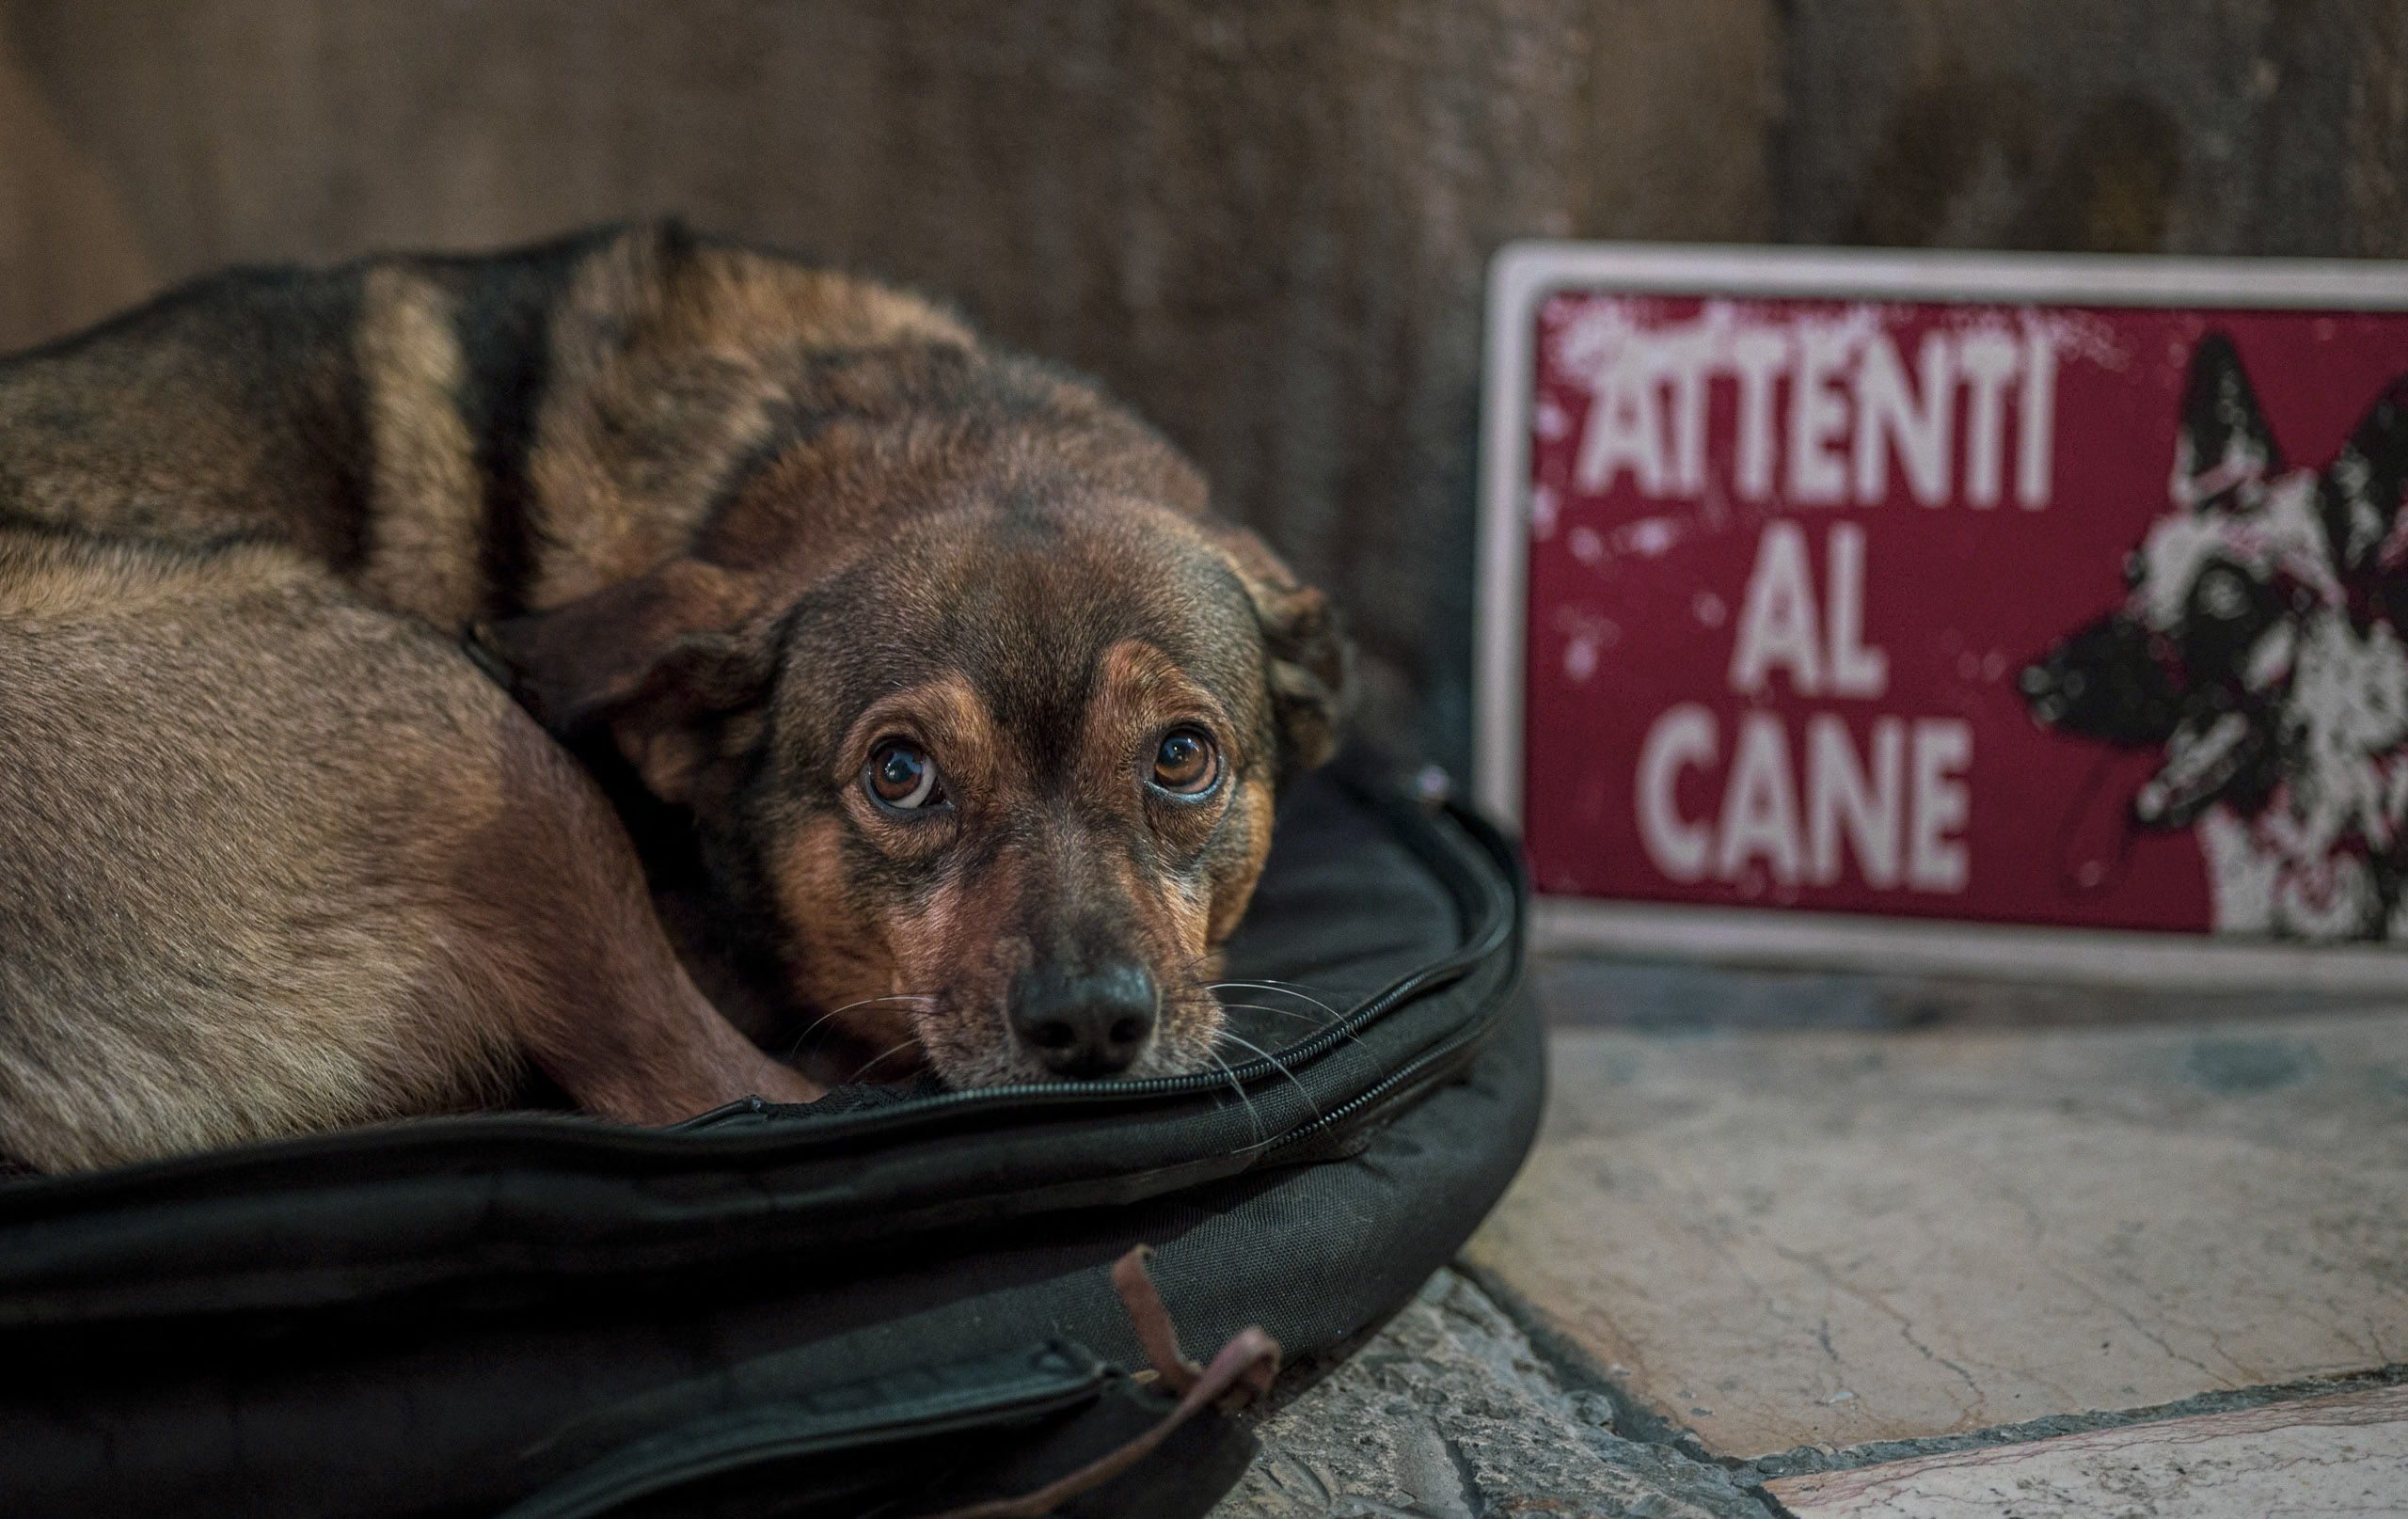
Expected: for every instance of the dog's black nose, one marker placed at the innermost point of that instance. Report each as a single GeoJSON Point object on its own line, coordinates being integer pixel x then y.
{"type": "Point", "coordinates": [1086, 1025]}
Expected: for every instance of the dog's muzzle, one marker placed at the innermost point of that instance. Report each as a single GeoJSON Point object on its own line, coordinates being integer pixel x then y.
{"type": "Point", "coordinates": [2111, 681]}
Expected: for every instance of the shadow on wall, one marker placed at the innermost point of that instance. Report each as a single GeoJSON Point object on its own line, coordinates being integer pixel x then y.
{"type": "Point", "coordinates": [69, 252]}
{"type": "Point", "coordinates": [1964, 157]}
{"type": "Point", "coordinates": [2254, 127]}
{"type": "Point", "coordinates": [1266, 227]}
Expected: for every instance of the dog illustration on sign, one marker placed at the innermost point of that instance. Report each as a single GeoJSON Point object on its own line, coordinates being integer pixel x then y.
{"type": "Point", "coordinates": [2260, 647]}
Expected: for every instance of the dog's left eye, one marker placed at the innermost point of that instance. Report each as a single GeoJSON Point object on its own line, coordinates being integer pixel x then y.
{"type": "Point", "coordinates": [1185, 763]}
{"type": "Point", "coordinates": [901, 775]}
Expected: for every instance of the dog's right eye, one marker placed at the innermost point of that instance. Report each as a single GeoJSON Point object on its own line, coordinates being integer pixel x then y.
{"type": "Point", "coordinates": [901, 775]}
{"type": "Point", "coordinates": [1185, 763]}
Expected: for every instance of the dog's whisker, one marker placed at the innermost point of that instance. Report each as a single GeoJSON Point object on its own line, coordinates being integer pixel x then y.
{"type": "Point", "coordinates": [864, 1070]}
{"type": "Point", "coordinates": [1288, 1012]}
{"type": "Point", "coordinates": [1314, 1023]}
{"type": "Point", "coordinates": [796, 1048]}
{"type": "Point", "coordinates": [1311, 1021]}
{"type": "Point", "coordinates": [1277, 1064]}
{"type": "Point", "coordinates": [1239, 1087]}
{"type": "Point", "coordinates": [1278, 989]}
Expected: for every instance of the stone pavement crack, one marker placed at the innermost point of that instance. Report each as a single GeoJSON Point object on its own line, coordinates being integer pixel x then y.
{"type": "Point", "coordinates": [1453, 1411]}
{"type": "Point", "coordinates": [1882, 1308]}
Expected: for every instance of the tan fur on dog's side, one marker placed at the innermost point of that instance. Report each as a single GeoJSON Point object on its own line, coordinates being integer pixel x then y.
{"type": "Point", "coordinates": [278, 862]}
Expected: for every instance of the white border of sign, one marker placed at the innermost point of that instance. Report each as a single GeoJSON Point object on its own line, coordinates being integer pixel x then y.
{"type": "Point", "coordinates": [1524, 274]}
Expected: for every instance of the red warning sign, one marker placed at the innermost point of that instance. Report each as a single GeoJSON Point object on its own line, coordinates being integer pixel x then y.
{"type": "Point", "coordinates": [2074, 612]}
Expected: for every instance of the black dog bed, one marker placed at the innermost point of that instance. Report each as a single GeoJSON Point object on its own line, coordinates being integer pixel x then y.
{"type": "Point", "coordinates": [834, 1309]}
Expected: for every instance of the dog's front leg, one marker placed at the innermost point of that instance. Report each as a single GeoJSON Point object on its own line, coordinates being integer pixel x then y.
{"type": "Point", "coordinates": [595, 996]}
{"type": "Point", "coordinates": [660, 1057]}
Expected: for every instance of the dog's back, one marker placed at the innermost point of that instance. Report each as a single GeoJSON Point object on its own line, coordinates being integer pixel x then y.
{"type": "Point", "coordinates": [453, 437]}
{"type": "Point", "coordinates": [279, 861]}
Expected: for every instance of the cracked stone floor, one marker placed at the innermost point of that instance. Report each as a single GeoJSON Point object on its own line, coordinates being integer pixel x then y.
{"type": "Point", "coordinates": [1838, 1245]}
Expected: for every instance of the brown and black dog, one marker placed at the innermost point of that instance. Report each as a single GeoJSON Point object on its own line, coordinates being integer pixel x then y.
{"type": "Point", "coordinates": [945, 716]}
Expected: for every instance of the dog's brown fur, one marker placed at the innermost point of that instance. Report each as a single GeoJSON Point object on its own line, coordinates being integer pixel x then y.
{"type": "Point", "coordinates": [727, 521]}
{"type": "Point", "coordinates": [277, 861]}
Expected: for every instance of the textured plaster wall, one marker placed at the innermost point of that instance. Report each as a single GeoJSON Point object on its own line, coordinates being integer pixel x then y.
{"type": "Point", "coordinates": [1263, 223]}
{"type": "Point", "coordinates": [2144, 126]}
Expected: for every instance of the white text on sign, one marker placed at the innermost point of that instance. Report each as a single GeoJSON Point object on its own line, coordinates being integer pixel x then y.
{"type": "Point", "coordinates": [1899, 803]}
{"type": "Point", "coordinates": [1822, 406]}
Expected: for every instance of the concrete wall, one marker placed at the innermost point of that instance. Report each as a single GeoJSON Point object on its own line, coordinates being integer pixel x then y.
{"type": "Point", "coordinates": [1263, 223]}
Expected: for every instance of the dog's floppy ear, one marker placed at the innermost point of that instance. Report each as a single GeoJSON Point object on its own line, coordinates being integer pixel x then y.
{"type": "Point", "coordinates": [2360, 495]}
{"type": "Point", "coordinates": [662, 661]}
{"type": "Point", "coordinates": [2224, 440]}
{"type": "Point", "coordinates": [1310, 660]}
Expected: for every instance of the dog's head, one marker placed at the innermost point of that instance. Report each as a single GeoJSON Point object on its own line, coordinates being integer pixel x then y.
{"type": "Point", "coordinates": [2223, 591]}
{"type": "Point", "coordinates": [982, 718]}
